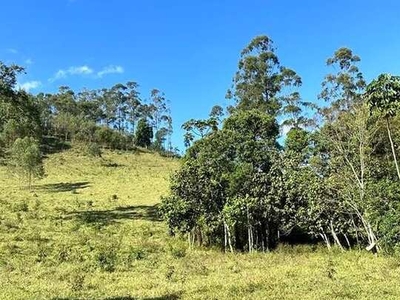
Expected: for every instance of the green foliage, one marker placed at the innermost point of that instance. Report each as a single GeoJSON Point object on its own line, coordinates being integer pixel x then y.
{"type": "Point", "coordinates": [383, 94]}
{"type": "Point", "coordinates": [178, 250]}
{"type": "Point", "coordinates": [26, 159]}
{"type": "Point", "coordinates": [195, 129]}
{"type": "Point", "coordinates": [111, 117]}
{"type": "Point", "coordinates": [144, 134]}
{"type": "Point", "coordinates": [344, 87]}
{"type": "Point", "coordinates": [19, 114]}
{"type": "Point", "coordinates": [297, 140]}
{"type": "Point", "coordinates": [11, 131]}
{"type": "Point", "coordinates": [260, 77]}
{"type": "Point", "coordinates": [237, 187]}
{"type": "Point", "coordinates": [93, 149]}
{"type": "Point", "coordinates": [219, 178]}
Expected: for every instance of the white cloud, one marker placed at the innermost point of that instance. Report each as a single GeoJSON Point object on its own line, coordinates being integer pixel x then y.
{"type": "Point", "coordinates": [30, 85]}
{"type": "Point", "coordinates": [28, 61]}
{"type": "Point", "coordinates": [110, 70]}
{"type": "Point", "coordinates": [81, 70]}
{"type": "Point", "coordinates": [86, 70]}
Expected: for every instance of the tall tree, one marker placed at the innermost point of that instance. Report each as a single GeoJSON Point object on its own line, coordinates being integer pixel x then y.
{"type": "Point", "coordinates": [345, 87]}
{"type": "Point", "coordinates": [347, 133]}
{"type": "Point", "coordinates": [260, 77]}
{"type": "Point", "coordinates": [134, 104]}
{"type": "Point", "coordinates": [159, 108]}
{"type": "Point", "coordinates": [161, 120]}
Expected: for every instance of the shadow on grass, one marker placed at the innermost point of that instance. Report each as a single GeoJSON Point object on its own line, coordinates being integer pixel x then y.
{"type": "Point", "coordinates": [165, 297]}
{"type": "Point", "coordinates": [109, 164]}
{"type": "Point", "coordinates": [112, 216]}
{"type": "Point", "coordinates": [63, 186]}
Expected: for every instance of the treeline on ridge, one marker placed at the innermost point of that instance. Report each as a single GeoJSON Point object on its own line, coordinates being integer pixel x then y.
{"type": "Point", "coordinates": [115, 118]}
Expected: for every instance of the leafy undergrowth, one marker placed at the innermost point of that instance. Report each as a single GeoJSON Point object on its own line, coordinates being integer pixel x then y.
{"type": "Point", "coordinates": [90, 230]}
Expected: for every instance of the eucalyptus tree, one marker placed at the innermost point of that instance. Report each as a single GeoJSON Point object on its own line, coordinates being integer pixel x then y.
{"type": "Point", "coordinates": [65, 101]}
{"type": "Point", "coordinates": [89, 106]}
{"type": "Point", "coordinates": [46, 114]}
{"type": "Point", "coordinates": [134, 103]}
{"type": "Point", "coordinates": [343, 88]}
{"type": "Point", "coordinates": [118, 98]}
{"type": "Point", "coordinates": [160, 115]}
{"type": "Point", "coordinates": [260, 78]}
{"type": "Point", "coordinates": [347, 133]}
{"type": "Point", "coordinates": [159, 108]}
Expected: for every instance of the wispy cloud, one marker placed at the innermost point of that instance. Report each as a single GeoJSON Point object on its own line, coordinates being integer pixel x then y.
{"type": "Point", "coordinates": [12, 50]}
{"type": "Point", "coordinates": [29, 85]}
{"type": "Point", "coordinates": [86, 70]}
{"type": "Point", "coordinates": [110, 70]}
{"type": "Point", "coordinates": [63, 73]}
{"type": "Point", "coordinates": [28, 61]}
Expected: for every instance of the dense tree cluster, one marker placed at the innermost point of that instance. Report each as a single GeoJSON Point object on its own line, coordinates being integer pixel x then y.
{"type": "Point", "coordinates": [109, 117]}
{"type": "Point", "coordinates": [113, 117]}
{"type": "Point", "coordinates": [335, 179]}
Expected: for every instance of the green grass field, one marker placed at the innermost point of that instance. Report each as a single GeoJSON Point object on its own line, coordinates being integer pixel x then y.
{"type": "Point", "coordinates": [90, 230]}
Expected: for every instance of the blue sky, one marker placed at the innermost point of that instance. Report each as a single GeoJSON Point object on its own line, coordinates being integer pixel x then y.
{"type": "Point", "coordinates": [189, 49]}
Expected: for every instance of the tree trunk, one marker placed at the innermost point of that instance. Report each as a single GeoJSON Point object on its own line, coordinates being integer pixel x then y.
{"type": "Point", "coordinates": [228, 237]}
{"type": "Point", "coordinates": [347, 240]}
{"type": "Point", "coordinates": [249, 232]}
{"type": "Point", "coordinates": [356, 231]}
{"type": "Point", "coordinates": [335, 237]}
{"type": "Point", "coordinates": [325, 239]}
{"type": "Point", "coordinates": [30, 180]}
{"type": "Point", "coordinates": [249, 237]}
{"type": "Point", "coordinates": [392, 145]}
{"type": "Point", "coordinates": [225, 237]}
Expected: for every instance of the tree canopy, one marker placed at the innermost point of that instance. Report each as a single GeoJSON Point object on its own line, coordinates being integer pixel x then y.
{"type": "Point", "coordinates": [331, 180]}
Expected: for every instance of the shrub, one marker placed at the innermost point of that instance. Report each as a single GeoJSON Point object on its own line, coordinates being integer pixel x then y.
{"type": "Point", "coordinates": [177, 250]}
{"type": "Point", "coordinates": [94, 150]}
{"type": "Point", "coordinates": [27, 159]}
{"type": "Point", "coordinates": [144, 134]}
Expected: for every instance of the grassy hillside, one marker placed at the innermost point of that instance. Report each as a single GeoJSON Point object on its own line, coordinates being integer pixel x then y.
{"type": "Point", "coordinates": [90, 230]}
